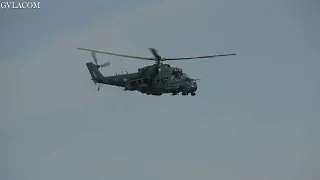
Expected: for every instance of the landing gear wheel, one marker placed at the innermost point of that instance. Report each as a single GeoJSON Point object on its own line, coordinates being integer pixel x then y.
{"type": "Point", "coordinates": [193, 94]}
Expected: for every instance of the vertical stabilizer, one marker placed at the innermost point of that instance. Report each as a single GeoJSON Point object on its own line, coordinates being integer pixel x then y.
{"type": "Point", "coordinates": [94, 72]}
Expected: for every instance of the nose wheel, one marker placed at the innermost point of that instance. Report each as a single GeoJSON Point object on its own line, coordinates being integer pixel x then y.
{"type": "Point", "coordinates": [193, 94]}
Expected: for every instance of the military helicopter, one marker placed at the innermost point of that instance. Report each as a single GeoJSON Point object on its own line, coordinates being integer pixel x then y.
{"type": "Point", "coordinates": [156, 79]}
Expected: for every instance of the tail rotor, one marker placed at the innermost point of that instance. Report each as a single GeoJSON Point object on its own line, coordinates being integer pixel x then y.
{"type": "Point", "coordinates": [107, 64]}
{"type": "Point", "coordinates": [95, 61]}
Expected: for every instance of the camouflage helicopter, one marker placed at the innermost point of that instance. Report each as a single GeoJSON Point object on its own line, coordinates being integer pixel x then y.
{"type": "Point", "coordinates": [156, 79]}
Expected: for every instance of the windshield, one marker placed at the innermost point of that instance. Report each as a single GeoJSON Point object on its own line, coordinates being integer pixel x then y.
{"type": "Point", "coordinates": [177, 73]}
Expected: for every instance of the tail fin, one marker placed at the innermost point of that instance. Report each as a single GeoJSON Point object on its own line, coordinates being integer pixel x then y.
{"type": "Point", "coordinates": [94, 72]}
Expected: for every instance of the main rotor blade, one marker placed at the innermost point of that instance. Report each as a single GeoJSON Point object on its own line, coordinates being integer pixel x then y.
{"type": "Point", "coordinates": [199, 57]}
{"type": "Point", "coordinates": [154, 52]}
{"type": "Point", "coordinates": [114, 54]}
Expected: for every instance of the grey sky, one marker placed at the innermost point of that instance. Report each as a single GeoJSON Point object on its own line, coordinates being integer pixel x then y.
{"type": "Point", "coordinates": [256, 115]}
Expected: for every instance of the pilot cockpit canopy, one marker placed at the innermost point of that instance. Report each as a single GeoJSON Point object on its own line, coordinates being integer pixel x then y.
{"type": "Point", "coordinates": [177, 71]}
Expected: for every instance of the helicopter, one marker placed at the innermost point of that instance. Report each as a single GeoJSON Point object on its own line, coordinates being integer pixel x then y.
{"type": "Point", "coordinates": [156, 79]}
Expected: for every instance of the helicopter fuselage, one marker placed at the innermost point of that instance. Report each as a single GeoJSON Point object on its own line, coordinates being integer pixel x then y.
{"type": "Point", "coordinates": [154, 80]}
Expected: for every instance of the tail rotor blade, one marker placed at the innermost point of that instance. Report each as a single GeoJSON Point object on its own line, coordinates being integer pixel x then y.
{"type": "Point", "coordinates": [105, 64]}
{"type": "Point", "coordinates": [94, 57]}
{"type": "Point", "coordinates": [95, 60]}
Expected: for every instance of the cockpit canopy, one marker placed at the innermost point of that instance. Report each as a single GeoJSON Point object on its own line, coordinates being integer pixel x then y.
{"type": "Point", "coordinates": [177, 72]}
